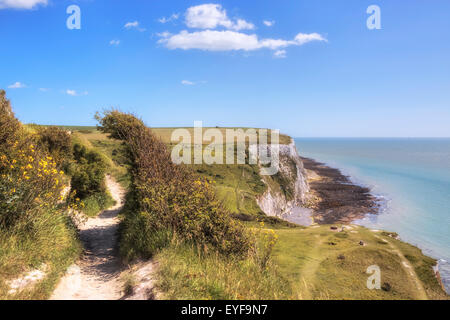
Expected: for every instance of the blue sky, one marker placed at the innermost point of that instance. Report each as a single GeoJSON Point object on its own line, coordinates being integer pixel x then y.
{"type": "Point", "coordinates": [309, 68]}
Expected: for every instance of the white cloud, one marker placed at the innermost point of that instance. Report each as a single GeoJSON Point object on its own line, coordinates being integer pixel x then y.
{"type": "Point", "coordinates": [17, 85]}
{"type": "Point", "coordinates": [210, 16]}
{"type": "Point", "coordinates": [187, 83]}
{"type": "Point", "coordinates": [130, 25]}
{"type": "Point", "coordinates": [173, 17]}
{"type": "Point", "coordinates": [44, 89]}
{"type": "Point", "coordinates": [192, 83]}
{"type": "Point", "coordinates": [133, 25]}
{"type": "Point", "coordinates": [74, 93]}
{"type": "Point", "coordinates": [164, 34]}
{"type": "Point", "coordinates": [213, 40]}
{"type": "Point", "coordinates": [280, 54]}
{"type": "Point", "coordinates": [22, 4]}
{"type": "Point", "coordinates": [303, 38]}
{"type": "Point", "coordinates": [241, 24]}
{"type": "Point", "coordinates": [114, 42]}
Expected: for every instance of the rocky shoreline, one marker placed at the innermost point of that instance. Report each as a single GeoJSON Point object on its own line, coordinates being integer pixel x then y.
{"type": "Point", "coordinates": [333, 197]}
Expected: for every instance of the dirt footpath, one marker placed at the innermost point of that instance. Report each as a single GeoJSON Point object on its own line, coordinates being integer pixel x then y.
{"type": "Point", "coordinates": [96, 275]}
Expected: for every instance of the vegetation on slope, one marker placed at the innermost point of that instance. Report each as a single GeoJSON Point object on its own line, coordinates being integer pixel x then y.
{"type": "Point", "coordinates": [112, 150]}
{"type": "Point", "coordinates": [87, 171]}
{"type": "Point", "coordinates": [34, 229]}
{"type": "Point", "coordinates": [306, 263]}
{"type": "Point", "coordinates": [184, 272]}
{"type": "Point", "coordinates": [322, 263]}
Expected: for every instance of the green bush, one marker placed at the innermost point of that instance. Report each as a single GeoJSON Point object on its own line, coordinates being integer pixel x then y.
{"type": "Point", "coordinates": [9, 126]}
{"type": "Point", "coordinates": [30, 181]}
{"type": "Point", "coordinates": [57, 143]}
{"type": "Point", "coordinates": [97, 202]}
{"type": "Point", "coordinates": [88, 172]}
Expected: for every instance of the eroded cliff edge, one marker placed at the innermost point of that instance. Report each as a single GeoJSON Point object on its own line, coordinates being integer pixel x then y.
{"type": "Point", "coordinates": [287, 190]}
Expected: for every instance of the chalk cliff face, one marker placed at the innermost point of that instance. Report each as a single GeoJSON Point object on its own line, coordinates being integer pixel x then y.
{"type": "Point", "coordinates": [288, 188]}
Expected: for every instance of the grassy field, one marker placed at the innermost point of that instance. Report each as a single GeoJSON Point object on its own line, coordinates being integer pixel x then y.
{"type": "Point", "coordinates": [325, 264]}
{"type": "Point", "coordinates": [165, 134]}
{"type": "Point", "coordinates": [307, 263]}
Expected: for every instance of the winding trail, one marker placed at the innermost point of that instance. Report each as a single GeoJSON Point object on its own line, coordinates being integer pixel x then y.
{"type": "Point", "coordinates": [96, 275]}
{"type": "Point", "coordinates": [408, 268]}
{"type": "Point", "coordinates": [308, 270]}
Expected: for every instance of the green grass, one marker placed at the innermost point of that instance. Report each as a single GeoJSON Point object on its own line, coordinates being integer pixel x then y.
{"type": "Point", "coordinates": [54, 243]}
{"type": "Point", "coordinates": [96, 203]}
{"type": "Point", "coordinates": [112, 150]}
{"type": "Point", "coordinates": [237, 186]}
{"type": "Point", "coordinates": [307, 263]}
{"type": "Point", "coordinates": [324, 264]}
{"type": "Point", "coordinates": [423, 267]}
{"type": "Point", "coordinates": [184, 273]}
{"type": "Point", "coordinates": [166, 134]}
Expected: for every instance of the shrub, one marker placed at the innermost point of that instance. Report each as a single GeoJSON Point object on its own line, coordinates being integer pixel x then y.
{"type": "Point", "coordinates": [88, 183]}
{"type": "Point", "coordinates": [56, 142]}
{"type": "Point", "coordinates": [88, 172]}
{"type": "Point", "coordinates": [264, 244]}
{"type": "Point", "coordinates": [168, 198]}
{"type": "Point", "coordinates": [95, 203]}
{"type": "Point", "coordinates": [9, 125]}
{"type": "Point", "coordinates": [30, 181]}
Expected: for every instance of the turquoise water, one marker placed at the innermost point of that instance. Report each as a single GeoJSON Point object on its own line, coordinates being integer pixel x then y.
{"type": "Point", "coordinates": [411, 175]}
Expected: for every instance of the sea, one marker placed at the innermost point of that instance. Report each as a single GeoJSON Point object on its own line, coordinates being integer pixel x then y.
{"type": "Point", "coordinates": [411, 177]}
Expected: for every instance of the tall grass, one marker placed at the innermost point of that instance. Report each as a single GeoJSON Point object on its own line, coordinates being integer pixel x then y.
{"type": "Point", "coordinates": [187, 272]}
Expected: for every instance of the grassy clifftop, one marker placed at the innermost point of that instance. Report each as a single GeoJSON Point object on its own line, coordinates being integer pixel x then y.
{"type": "Point", "coordinates": [332, 264]}
{"type": "Point", "coordinates": [307, 263]}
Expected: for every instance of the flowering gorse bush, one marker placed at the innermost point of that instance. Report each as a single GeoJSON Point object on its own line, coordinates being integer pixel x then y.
{"type": "Point", "coordinates": [57, 142]}
{"type": "Point", "coordinates": [265, 240]}
{"type": "Point", "coordinates": [30, 179]}
{"type": "Point", "coordinates": [29, 182]}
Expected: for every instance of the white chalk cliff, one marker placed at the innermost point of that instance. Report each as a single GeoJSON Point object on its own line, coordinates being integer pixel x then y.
{"type": "Point", "coordinates": [291, 177]}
